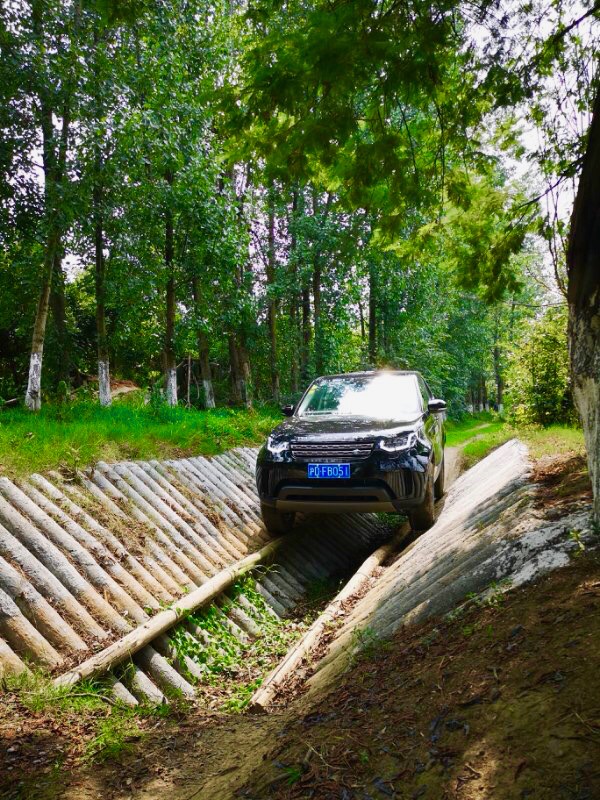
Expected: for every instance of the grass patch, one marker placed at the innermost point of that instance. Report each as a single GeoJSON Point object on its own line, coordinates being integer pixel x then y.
{"type": "Point", "coordinates": [77, 434]}
{"type": "Point", "coordinates": [484, 423]}
{"type": "Point", "coordinates": [552, 441]}
{"type": "Point", "coordinates": [107, 725]}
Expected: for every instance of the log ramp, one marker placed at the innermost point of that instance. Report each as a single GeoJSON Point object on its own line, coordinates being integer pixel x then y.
{"type": "Point", "coordinates": [85, 563]}
{"type": "Point", "coordinates": [489, 538]}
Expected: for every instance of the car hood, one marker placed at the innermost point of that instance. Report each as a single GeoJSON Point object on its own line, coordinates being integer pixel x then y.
{"type": "Point", "coordinates": [333, 427]}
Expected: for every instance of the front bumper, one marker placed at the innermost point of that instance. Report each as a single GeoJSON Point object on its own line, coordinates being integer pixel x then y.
{"type": "Point", "coordinates": [379, 483]}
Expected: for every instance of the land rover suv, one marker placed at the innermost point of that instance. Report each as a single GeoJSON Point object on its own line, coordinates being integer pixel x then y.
{"type": "Point", "coordinates": [363, 441]}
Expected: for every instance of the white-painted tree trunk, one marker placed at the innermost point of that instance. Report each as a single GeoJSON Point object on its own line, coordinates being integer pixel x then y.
{"type": "Point", "coordinates": [104, 394]}
{"type": "Point", "coordinates": [172, 386]}
{"type": "Point", "coordinates": [501, 408]}
{"type": "Point", "coordinates": [33, 397]}
{"type": "Point", "coordinates": [470, 408]}
{"type": "Point", "coordinates": [209, 395]}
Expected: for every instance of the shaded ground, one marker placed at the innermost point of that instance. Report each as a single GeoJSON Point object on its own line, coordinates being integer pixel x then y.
{"type": "Point", "coordinates": [500, 702]}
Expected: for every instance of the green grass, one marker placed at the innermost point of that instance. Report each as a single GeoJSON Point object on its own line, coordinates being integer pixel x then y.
{"type": "Point", "coordinates": [554, 440]}
{"type": "Point", "coordinates": [78, 434]}
{"type": "Point", "coordinates": [112, 725]}
{"type": "Point", "coordinates": [484, 424]}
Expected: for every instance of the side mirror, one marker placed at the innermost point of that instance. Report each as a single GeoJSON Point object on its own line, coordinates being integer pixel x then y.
{"type": "Point", "coordinates": [435, 405]}
{"type": "Point", "coordinates": [287, 411]}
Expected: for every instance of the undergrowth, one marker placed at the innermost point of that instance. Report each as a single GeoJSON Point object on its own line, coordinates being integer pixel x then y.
{"type": "Point", "coordinates": [479, 434]}
{"type": "Point", "coordinates": [72, 435]}
{"type": "Point", "coordinates": [231, 668]}
{"type": "Point", "coordinates": [110, 726]}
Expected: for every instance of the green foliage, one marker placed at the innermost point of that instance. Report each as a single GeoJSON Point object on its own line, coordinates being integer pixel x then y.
{"type": "Point", "coordinates": [538, 375]}
{"type": "Point", "coordinates": [223, 657]}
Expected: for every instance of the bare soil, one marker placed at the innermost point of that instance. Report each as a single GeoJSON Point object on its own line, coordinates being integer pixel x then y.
{"type": "Point", "coordinates": [501, 702]}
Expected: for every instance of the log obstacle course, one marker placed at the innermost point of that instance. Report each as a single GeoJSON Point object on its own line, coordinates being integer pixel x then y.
{"type": "Point", "coordinates": [490, 537]}
{"type": "Point", "coordinates": [91, 566]}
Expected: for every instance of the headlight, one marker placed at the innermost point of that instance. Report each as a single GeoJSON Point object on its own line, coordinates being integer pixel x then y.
{"type": "Point", "coordinates": [276, 448]}
{"type": "Point", "coordinates": [402, 442]}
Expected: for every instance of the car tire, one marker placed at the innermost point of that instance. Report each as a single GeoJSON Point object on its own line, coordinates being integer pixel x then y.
{"type": "Point", "coordinates": [276, 522]}
{"type": "Point", "coordinates": [423, 516]}
{"type": "Point", "coordinates": [439, 487]}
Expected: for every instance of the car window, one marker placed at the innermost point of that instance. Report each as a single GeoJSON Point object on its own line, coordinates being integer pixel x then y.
{"type": "Point", "coordinates": [425, 393]}
{"type": "Point", "coordinates": [383, 396]}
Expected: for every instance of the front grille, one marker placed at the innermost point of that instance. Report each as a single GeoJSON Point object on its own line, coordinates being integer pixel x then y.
{"type": "Point", "coordinates": [327, 452]}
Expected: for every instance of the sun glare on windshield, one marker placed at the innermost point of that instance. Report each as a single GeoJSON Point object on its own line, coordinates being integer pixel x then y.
{"type": "Point", "coordinates": [384, 396]}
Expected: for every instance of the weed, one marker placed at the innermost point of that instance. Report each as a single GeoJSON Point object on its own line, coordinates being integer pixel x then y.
{"type": "Point", "coordinates": [293, 774]}
{"type": "Point", "coordinates": [366, 645]}
{"type": "Point", "coordinates": [575, 537]}
{"type": "Point", "coordinates": [113, 736]}
{"type": "Point", "coordinates": [222, 657]}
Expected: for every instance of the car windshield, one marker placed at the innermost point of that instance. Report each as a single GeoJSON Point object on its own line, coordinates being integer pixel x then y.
{"type": "Point", "coordinates": [384, 396]}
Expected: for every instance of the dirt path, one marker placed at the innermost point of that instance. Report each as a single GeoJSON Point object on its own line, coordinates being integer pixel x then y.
{"type": "Point", "coordinates": [200, 757]}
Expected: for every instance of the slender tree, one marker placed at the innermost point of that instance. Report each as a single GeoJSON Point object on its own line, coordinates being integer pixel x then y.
{"type": "Point", "coordinates": [583, 263]}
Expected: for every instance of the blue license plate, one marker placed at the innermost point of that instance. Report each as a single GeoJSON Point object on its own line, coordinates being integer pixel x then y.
{"type": "Point", "coordinates": [329, 470]}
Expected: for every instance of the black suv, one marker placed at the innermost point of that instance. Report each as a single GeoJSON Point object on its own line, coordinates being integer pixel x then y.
{"type": "Point", "coordinates": [365, 441]}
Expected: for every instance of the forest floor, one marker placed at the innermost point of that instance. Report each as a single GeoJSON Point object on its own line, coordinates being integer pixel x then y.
{"type": "Point", "coordinates": [503, 703]}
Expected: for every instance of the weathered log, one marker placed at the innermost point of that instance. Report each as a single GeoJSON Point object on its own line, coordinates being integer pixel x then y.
{"type": "Point", "coordinates": [22, 636]}
{"type": "Point", "coordinates": [264, 695]}
{"type": "Point", "coordinates": [142, 635]}
{"type": "Point", "coordinates": [151, 587]}
{"type": "Point", "coordinates": [10, 663]}
{"type": "Point", "coordinates": [37, 610]}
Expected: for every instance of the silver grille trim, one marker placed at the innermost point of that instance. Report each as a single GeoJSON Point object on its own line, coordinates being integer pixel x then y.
{"type": "Point", "coordinates": [326, 452]}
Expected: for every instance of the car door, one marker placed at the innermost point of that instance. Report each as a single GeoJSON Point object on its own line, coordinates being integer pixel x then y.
{"type": "Point", "coordinates": [433, 423]}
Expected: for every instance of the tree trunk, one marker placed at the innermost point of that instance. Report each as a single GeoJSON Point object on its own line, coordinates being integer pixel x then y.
{"type": "Point", "coordinates": [203, 353]}
{"type": "Point", "coordinates": [246, 382]}
{"type": "Point", "coordinates": [54, 156]}
{"type": "Point", "coordinates": [104, 393]}
{"type": "Point", "coordinates": [59, 315]}
{"type": "Point", "coordinates": [170, 361]}
{"type": "Point", "coordinates": [295, 328]}
{"type": "Point", "coordinates": [236, 371]}
{"type": "Point", "coordinates": [499, 379]}
{"type": "Point", "coordinates": [316, 287]}
{"type": "Point", "coordinates": [583, 268]}
{"type": "Point", "coordinates": [205, 371]}
{"type": "Point", "coordinates": [271, 301]}
{"type": "Point", "coordinates": [372, 315]}
{"type": "Point", "coordinates": [33, 396]}
{"type": "Point", "coordinates": [306, 335]}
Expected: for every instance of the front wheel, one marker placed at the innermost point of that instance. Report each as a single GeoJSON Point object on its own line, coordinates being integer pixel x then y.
{"type": "Point", "coordinates": [423, 516]}
{"type": "Point", "coordinates": [277, 522]}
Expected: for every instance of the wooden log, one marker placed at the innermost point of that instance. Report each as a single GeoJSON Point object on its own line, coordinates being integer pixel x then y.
{"type": "Point", "coordinates": [37, 610]}
{"type": "Point", "coordinates": [99, 564]}
{"type": "Point", "coordinates": [147, 587]}
{"type": "Point", "coordinates": [182, 517]}
{"type": "Point", "coordinates": [163, 548]}
{"type": "Point", "coordinates": [10, 663]}
{"type": "Point", "coordinates": [141, 636]}
{"type": "Point", "coordinates": [51, 549]}
{"type": "Point", "coordinates": [203, 529]}
{"type": "Point", "coordinates": [47, 583]}
{"type": "Point", "coordinates": [168, 536]}
{"type": "Point", "coordinates": [22, 636]}
{"type": "Point", "coordinates": [219, 533]}
{"type": "Point", "coordinates": [264, 695]}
